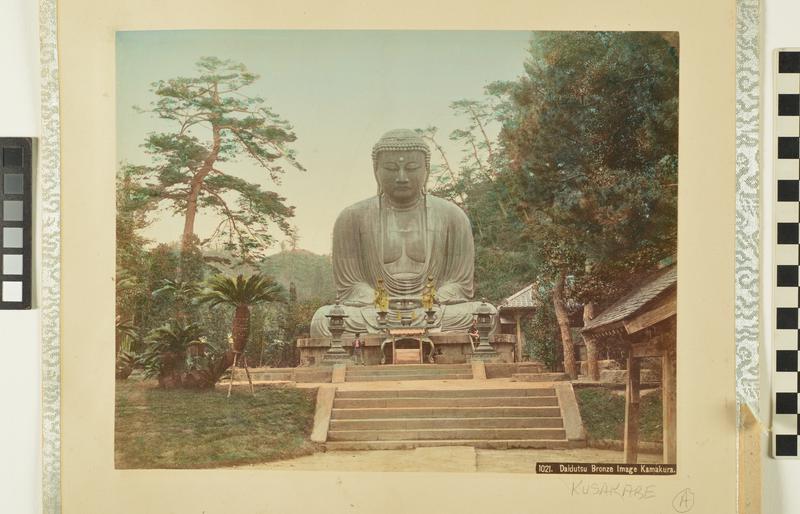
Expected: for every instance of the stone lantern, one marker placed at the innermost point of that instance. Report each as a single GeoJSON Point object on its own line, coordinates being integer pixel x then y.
{"type": "Point", "coordinates": [336, 318]}
{"type": "Point", "coordinates": [484, 317]}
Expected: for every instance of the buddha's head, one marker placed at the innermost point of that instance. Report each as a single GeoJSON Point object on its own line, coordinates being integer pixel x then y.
{"type": "Point", "coordinates": [401, 161]}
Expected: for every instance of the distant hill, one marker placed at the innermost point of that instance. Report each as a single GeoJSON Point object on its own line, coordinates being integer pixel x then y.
{"type": "Point", "coordinates": [312, 274]}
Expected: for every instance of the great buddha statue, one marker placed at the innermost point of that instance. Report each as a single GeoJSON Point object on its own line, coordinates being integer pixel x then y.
{"type": "Point", "coordinates": [404, 242]}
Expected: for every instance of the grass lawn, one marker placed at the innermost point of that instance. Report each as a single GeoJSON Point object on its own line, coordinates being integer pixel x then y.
{"type": "Point", "coordinates": [155, 428]}
{"type": "Point", "coordinates": [603, 414]}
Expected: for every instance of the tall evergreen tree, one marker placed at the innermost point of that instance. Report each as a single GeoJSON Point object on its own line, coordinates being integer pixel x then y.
{"type": "Point", "coordinates": [215, 121]}
{"type": "Point", "coordinates": [591, 142]}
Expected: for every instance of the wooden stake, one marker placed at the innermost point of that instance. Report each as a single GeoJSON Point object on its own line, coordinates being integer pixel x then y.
{"type": "Point", "coordinates": [591, 345]}
{"type": "Point", "coordinates": [233, 370]}
{"type": "Point", "coordinates": [247, 372]}
{"type": "Point", "coordinates": [669, 404]}
{"type": "Point", "coordinates": [632, 411]}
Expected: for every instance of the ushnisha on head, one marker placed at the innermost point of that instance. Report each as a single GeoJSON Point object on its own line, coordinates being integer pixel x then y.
{"type": "Point", "coordinates": [401, 161]}
{"type": "Point", "coordinates": [401, 140]}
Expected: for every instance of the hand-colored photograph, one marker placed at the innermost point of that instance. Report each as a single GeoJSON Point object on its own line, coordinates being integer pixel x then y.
{"type": "Point", "coordinates": [396, 250]}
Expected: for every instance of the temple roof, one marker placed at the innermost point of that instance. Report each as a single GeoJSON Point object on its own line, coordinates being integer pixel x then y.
{"type": "Point", "coordinates": [636, 299]}
{"type": "Point", "coordinates": [522, 299]}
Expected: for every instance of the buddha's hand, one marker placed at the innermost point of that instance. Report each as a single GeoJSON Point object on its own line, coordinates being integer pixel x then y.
{"type": "Point", "coordinates": [359, 295]}
{"type": "Point", "coordinates": [404, 303]}
{"type": "Point", "coordinates": [451, 293]}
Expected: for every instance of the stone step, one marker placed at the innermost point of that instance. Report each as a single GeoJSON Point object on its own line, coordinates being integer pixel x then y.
{"type": "Point", "coordinates": [293, 374]}
{"type": "Point", "coordinates": [306, 378]}
{"type": "Point", "coordinates": [446, 412]}
{"type": "Point", "coordinates": [424, 423]}
{"type": "Point", "coordinates": [393, 367]}
{"type": "Point", "coordinates": [539, 377]}
{"type": "Point", "coordinates": [447, 434]}
{"type": "Point", "coordinates": [490, 444]}
{"type": "Point", "coordinates": [447, 393]}
{"type": "Point", "coordinates": [353, 370]}
{"type": "Point", "coordinates": [310, 377]}
{"type": "Point", "coordinates": [240, 375]}
{"type": "Point", "coordinates": [488, 401]}
{"type": "Point", "coordinates": [394, 377]}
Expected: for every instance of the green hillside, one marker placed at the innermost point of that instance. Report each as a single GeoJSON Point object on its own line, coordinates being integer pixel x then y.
{"type": "Point", "coordinates": [311, 273]}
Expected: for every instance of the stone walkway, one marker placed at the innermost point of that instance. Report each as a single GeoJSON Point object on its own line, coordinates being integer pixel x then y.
{"type": "Point", "coordinates": [462, 459]}
{"type": "Point", "coordinates": [442, 459]}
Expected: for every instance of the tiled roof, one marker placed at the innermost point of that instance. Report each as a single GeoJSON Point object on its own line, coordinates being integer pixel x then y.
{"type": "Point", "coordinates": [522, 299]}
{"type": "Point", "coordinates": [636, 299]}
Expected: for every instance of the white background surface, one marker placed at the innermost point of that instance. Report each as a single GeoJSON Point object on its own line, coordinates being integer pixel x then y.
{"type": "Point", "coordinates": [19, 330]}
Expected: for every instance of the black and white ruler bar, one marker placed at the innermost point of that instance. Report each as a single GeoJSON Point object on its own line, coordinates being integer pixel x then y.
{"type": "Point", "coordinates": [786, 292]}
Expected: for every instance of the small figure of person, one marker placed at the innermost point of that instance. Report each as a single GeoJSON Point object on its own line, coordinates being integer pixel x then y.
{"type": "Point", "coordinates": [474, 335]}
{"type": "Point", "coordinates": [358, 350]}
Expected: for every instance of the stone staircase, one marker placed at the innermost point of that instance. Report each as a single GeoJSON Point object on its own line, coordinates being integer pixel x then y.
{"type": "Point", "coordinates": [409, 372]}
{"type": "Point", "coordinates": [538, 377]}
{"type": "Point", "coordinates": [484, 418]}
{"type": "Point", "coordinates": [284, 374]}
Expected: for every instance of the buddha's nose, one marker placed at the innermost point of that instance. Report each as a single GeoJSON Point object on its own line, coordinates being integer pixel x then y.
{"type": "Point", "coordinates": [402, 176]}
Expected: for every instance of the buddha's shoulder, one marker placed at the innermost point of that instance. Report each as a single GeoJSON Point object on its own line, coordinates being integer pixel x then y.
{"type": "Point", "coordinates": [360, 208]}
{"type": "Point", "coordinates": [446, 207]}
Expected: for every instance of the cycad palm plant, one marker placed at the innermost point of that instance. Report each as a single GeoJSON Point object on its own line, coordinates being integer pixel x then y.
{"type": "Point", "coordinates": [241, 293]}
{"type": "Point", "coordinates": [165, 356]}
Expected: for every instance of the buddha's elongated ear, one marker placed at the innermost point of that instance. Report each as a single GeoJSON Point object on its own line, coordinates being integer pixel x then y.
{"type": "Point", "coordinates": [375, 175]}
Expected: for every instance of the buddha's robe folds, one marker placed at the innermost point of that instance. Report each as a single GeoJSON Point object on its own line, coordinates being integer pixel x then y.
{"type": "Point", "coordinates": [359, 241]}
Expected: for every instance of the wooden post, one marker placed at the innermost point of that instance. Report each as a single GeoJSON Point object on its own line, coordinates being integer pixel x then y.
{"type": "Point", "coordinates": [669, 404]}
{"type": "Point", "coordinates": [249, 380]}
{"type": "Point", "coordinates": [517, 318]}
{"type": "Point", "coordinates": [591, 345]}
{"type": "Point", "coordinates": [233, 370]}
{"type": "Point", "coordinates": [592, 369]}
{"type": "Point", "coordinates": [632, 410]}
{"type": "Point", "coordinates": [563, 324]}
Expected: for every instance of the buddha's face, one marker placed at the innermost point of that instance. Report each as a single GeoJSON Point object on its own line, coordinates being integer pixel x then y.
{"type": "Point", "coordinates": [401, 175]}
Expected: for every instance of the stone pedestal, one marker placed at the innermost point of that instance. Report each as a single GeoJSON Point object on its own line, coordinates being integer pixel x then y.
{"type": "Point", "coordinates": [455, 348]}
{"type": "Point", "coordinates": [486, 356]}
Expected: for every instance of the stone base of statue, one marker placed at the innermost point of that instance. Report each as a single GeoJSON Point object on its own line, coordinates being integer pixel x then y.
{"type": "Point", "coordinates": [449, 347]}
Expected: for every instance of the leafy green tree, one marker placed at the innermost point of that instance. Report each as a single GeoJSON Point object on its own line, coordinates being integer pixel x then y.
{"type": "Point", "coordinates": [541, 333]}
{"type": "Point", "coordinates": [592, 146]}
{"type": "Point", "coordinates": [503, 260]}
{"type": "Point", "coordinates": [132, 206]}
{"type": "Point", "coordinates": [590, 135]}
{"type": "Point", "coordinates": [215, 122]}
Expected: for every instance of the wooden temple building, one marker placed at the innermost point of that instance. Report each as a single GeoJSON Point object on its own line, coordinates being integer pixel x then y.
{"type": "Point", "coordinates": [512, 311]}
{"type": "Point", "coordinates": [643, 324]}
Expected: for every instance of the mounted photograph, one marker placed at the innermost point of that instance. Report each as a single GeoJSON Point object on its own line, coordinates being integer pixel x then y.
{"type": "Point", "coordinates": [397, 250]}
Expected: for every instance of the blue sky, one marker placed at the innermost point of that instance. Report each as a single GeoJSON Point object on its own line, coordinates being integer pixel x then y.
{"type": "Point", "coordinates": [340, 90]}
